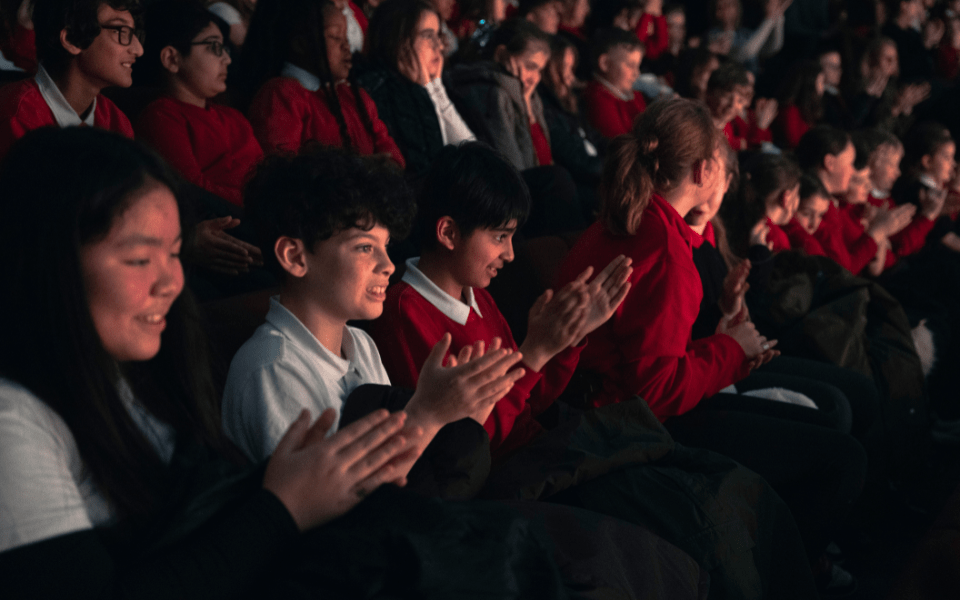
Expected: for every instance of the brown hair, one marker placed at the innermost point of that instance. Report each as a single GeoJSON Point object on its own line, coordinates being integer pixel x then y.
{"type": "Point", "coordinates": [665, 141]}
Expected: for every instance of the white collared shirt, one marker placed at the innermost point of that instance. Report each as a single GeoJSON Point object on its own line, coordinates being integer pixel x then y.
{"type": "Point", "coordinates": [453, 129]}
{"type": "Point", "coordinates": [457, 310]}
{"type": "Point", "coordinates": [929, 181]}
{"type": "Point", "coordinates": [283, 369]}
{"type": "Point", "coordinates": [63, 113]}
{"type": "Point", "coordinates": [880, 194]}
{"type": "Point", "coordinates": [307, 79]}
{"type": "Point", "coordinates": [614, 89]}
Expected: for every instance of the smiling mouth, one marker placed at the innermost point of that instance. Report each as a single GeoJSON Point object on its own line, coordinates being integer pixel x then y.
{"type": "Point", "coordinates": [155, 319]}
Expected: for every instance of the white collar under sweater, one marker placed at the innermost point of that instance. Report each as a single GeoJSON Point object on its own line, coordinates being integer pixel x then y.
{"type": "Point", "coordinates": [63, 113]}
{"type": "Point", "coordinates": [457, 310]}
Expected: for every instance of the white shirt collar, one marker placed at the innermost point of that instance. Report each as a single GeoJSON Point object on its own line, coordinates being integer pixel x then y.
{"type": "Point", "coordinates": [306, 78]}
{"type": "Point", "coordinates": [63, 113]}
{"type": "Point", "coordinates": [928, 181]}
{"type": "Point", "coordinates": [880, 194]}
{"type": "Point", "coordinates": [457, 310]}
{"type": "Point", "coordinates": [332, 365]}
{"type": "Point", "coordinates": [614, 89]}
{"type": "Point", "coordinates": [830, 89]}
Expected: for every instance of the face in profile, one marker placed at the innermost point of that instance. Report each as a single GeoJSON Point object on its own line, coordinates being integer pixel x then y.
{"type": "Point", "coordinates": [133, 275]}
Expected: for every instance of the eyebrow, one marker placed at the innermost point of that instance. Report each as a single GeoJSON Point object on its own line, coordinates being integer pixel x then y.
{"type": "Point", "coordinates": [145, 240]}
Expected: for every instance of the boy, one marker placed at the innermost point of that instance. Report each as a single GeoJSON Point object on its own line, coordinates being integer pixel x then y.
{"type": "Point", "coordinates": [545, 14]}
{"type": "Point", "coordinates": [83, 47]}
{"type": "Point", "coordinates": [472, 202]}
{"type": "Point", "coordinates": [609, 101]}
{"type": "Point", "coordinates": [726, 91]}
{"type": "Point", "coordinates": [325, 219]}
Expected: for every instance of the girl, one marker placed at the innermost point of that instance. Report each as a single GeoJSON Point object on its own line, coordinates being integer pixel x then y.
{"type": "Point", "coordinates": [298, 76]}
{"type": "Point", "coordinates": [801, 100]}
{"type": "Point", "coordinates": [767, 200]}
{"type": "Point", "coordinates": [654, 176]}
{"type": "Point", "coordinates": [814, 203]}
{"type": "Point", "coordinates": [113, 437]}
{"type": "Point", "coordinates": [236, 13]}
{"type": "Point", "coordinates": [212, 145]}
{"type": "Point", "coordinates": [499, 100]}
{"type": "Point", "coordinates": [404, 82]}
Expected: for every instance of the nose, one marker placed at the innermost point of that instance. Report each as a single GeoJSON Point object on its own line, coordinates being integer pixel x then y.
{"type": "Point", "coordinates": [169, 279]}
{"type": "Point", "coordinates": [226, 57]}
{"type": "Point", "coordinates": [136, 48]}
{"type": "Point", "coordinates": [507, 255]}
{"type": "Point", "coordinates": [385, 265]}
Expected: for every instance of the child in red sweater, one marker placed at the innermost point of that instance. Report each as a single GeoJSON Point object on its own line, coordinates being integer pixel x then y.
{"type": "Point", "coordinates": [609, 102]}
{"type": "Point", "coordinates": [302, 84]}
{"type": "Point", "coordinates": [767, 200]}
{"type": "Point", "coordinates": [74, 68]}
{"type": "Point", "coordinates": [212, 145]}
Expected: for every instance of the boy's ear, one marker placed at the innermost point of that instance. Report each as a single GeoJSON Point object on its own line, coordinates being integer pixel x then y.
{"type": "Point", "coordinates": [830, 162]}
{"type": "Point", "coordinates": [291, 254]}
{"type": "Point", "coordinates": [170, 59]}
{"type": "Point", "coordinates": [925, 161]}
{"type": "Point", "coordinates": [67, 44]}
{"type": "Point", "coordinates": [603, 62]}
{"type": "Point", "coordinates": [447, 232]}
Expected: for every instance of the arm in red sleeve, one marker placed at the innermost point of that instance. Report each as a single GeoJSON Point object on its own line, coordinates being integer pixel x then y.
{"type": "Point", "coordinates": [382, 141]}
{"type": "Point", "coordinates": [652, 31]}
{"type": "Point", "coordinates": [913, 237]}
{"type": "Point", "coordinates": [652, 327]}
{"type": "Point", "coordinates": [277, 115]}
{"type": "Point", "coordinates": [792, 125]}
{"type": "Point", "coordinates": [854, 257]}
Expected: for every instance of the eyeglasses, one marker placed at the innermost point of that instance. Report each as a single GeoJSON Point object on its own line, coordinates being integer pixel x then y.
{"type": "Point", "coordinates": [430, 36]}
{"type": "Point", "coordinates": [215, 46]}
{"type": "Point", "coordinates": [125, 33]}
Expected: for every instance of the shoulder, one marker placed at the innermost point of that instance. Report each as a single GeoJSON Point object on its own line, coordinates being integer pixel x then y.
{"type": "Point", "coordinates": [367, 357]}
{"type": "Point", "coordinates": [266, 349]}
{"type": "Point", "coordinates": [109, 116]}
{"type": "Point", "coordinates": [22, 99]}
{"type": "Point", "coordinates": [282, 87]}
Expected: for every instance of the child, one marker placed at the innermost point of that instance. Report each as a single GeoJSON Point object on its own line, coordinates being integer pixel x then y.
{"type": "Point", "coordinates": [814, 202]}
{"type": "Point", "coordinates": [609, 102]}
{"type": "Point", "coordinates": [801, 99]}
{"type": "Point", "coordinates": [829, 154]}
{"type": "Point", "coordinates": [325, 219]}
{"type": "Point", "coordinates": [212, 145]}
{"type": "Point", "coordinates": [726, 98]}
{"type": "Point", "coordinates": [82, 48]}
{"type": "Point", "coordinates": [767, 200]}
{"type": "Point", "coordinates": [302, 82]}
{"type": "Point", "coordinates": [545, 14]}
{"type": "Point", "coordinates": [470, 205]}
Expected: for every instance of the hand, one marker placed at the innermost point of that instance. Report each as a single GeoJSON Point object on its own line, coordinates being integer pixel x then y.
{"type": "Point", "coordinates": [910, 96]}
{"type": "Point", "coordinates": [758, 349]}
{"type": "Point", "coordinates": [319, 478]}
{"type": "Point", "coordinates": [876, 84]}
{"type": "Point", "coordinates": [889, 222]}
{"type": "Point", "coordinates": [606, 292]}
{"type": "Point", "coordinates": [951, 241]}
{"type": "Point", "coordinates": [219, 251]}
{"type": "Point", "coordinates": [766, 112]}
{"type": "Point", "coordinates": [759, 233]}
{"type": "Point", "coordinates": [931, 202]}
{"type": "Point", "coordinates": [735, 286]}
{"type": "Point", "coordinates": [470, 384]}
{"type": "Point", "coordinates": [438, 71]}
{"type": "Point", "coordinates": [869, 214]}
{"type": "Point", "coordinates": [555, 322]}
{"type": "Point", "coordinates": [933, 31]}
{"type": "Point", "coordinates": [774, 8]}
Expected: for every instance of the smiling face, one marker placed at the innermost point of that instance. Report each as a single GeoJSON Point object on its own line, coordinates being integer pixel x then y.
{"type": "Point", "coordinates": [338, 46]}
{"type": "Point", "coordinates": [838, 168]}
{"type": "Point", "coordinates": [133, 275]}
{"type": "Point", "coordinates": [476, 259]}
{"type": "Point", "coordinates": [859, 187]}
{"type": "Point", "coordinates": [622, 67]}
{"type": "Point", "coordinates": [811, 212]}
{"type": "Point", "coordinates": [202, 73]}
{"type": "Point", "coordinates": [107, 62]}
{"type": "Point", "coordinates": [348, 274]}
{"type": "Point", "coordinates": [528, 66]}
{"type": "Point", "coordinates": [885, 167]}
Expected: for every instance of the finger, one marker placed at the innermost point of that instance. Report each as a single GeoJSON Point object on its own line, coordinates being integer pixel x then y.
{"type": "Point", "coordinates": [293, 438]}
{"type": "Point", "coordinates": [494, 390]}
{"type": "Point", "coordinates": [229, 222]}
{"type": "Point", "coordinates": [439, 350]}
{"type": "Point", "coordinates": [617, 298]}
{"type": "Point", "coordinates": [319, 429]}
{"type": "Point", "coordinates": [541, 302]}
{"type": "Point", "coordinates": [487, 370]}
{"type": "Point", "coordinates": [495, 344]}
{"type": "Point", "coordinates": [584, 276]}
{"type": "Point", "coordinates": [363, 445]}
{"type": "Point", "coordinates": [349, 434]}
{"type": "Point", "coordinates": [464, 355]}
{"type": "Point", "coordinates": [376, 458]}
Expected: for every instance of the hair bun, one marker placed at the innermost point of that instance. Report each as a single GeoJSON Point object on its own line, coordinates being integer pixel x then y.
{"type": "Point", "coordinates": [647, 142]}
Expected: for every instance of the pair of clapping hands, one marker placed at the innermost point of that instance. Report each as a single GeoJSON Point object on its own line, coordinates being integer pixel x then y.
{"type": "Point", "coordinates": [735, 321]}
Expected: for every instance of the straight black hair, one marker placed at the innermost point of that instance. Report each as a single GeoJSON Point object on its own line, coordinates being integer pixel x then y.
{"type": "Point", "coordinates": [64, 189]}
{"type": "Point", "coordinates": [762, 177]}
{"type": "Point", "coordinates": [172, 23]}
{"type": "Point", "coordinates": [393, 31]}
{"type": "Point", "coordinates": [817, 143]}
{"type": "Point", "coordinates": [924, 139]}
{"type": "Point", "coordinates": [79, 18]}
{"type": "Point", "coordinates": [322, 191]}
{"type": "Point", "coordinates": [476, 187]}
{"type": "Point", "coordinates": [811, 185]}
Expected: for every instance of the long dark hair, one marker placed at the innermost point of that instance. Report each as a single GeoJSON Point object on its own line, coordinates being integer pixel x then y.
{"type": "Point", "coordinates": [276, 29]}
{"type": "Point", "coordinates": [64, 189]}
{"type": "Point", "coordinates": [393, 31]}
{"type": "Point", "coordinates": [762, 178]}
{"type": "Point", "coordinates": [800, 90]}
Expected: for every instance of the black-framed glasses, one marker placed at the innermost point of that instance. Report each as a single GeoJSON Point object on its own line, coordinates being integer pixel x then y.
{"type": "Point", "coordinates": [216, 46]}
{"type": "Point", "coordinates": [125, 33]}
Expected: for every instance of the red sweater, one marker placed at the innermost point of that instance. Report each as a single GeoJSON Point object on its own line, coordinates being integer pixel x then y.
{"type": "Point", "coordinates": [845, 241]}
{"type": "Point", "coordinates": [212, 147]}
{"type": "Point", "coordinates": [750, 133]}
{"type": "Point", "coordinates": [23, 109]}
{"type": "Point", "coordinates": [792, 125]}
{"type": "Point", "coordinates": [21, 48]}
{"type": "Point", "coordinates": [285, 115]}
{"type": "Point", "coordinates": [411, 325]}
{"type": "Point", "coordinates": [652, 31]}
{"type": "Point", "coordinates": [911, 238]}
{"type": "Point", "coordinates": [777, 237]}
{"type": "Point", "coordinates": [646, 348]}
{"type": "Point", "coordinates": [608, 114]}
{"type": "Point", "coordinates": [801, 240]}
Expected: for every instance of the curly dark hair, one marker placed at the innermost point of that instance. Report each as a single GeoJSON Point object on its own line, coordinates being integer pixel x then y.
{"type": "Point", "coordinates": [79, 18]}
{"type": "Point", "coordinates": [321, 191]}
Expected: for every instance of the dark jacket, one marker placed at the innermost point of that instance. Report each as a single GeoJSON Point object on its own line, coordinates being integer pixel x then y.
{"type": "Point", "coordinates": [567, 135]}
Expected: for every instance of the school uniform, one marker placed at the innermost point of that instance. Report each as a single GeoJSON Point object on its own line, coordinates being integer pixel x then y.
{"type": "Point", "coordinates": [751, 134]}
{"type": "Point", "coordinates": [37, 102]}
{"type": "Point", "coordinates": [912, 238]}
{"type": "Point", "coordinates": [646, 348]}
{"type": "Point", "coordinates": [652, 31]}
{"type": "Point", "coordinates": [283, 369]}
{"type": "Point", "coordinates": [777, 237]}
{"type": "Point", "coordinates": [609, 110]}
{"type": "Point", "coordinates": [801, 240]}
{"type": "Point", "coordinates": [845, 241]}
{"type": "Point", "coordinates": [415, 316]}
{"type": "Point", "coordinates": [791, 126]}
{"type": "Point", "coordinates": [290, 110]}
{"type": "Point", "coordinates": [212, 147]}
